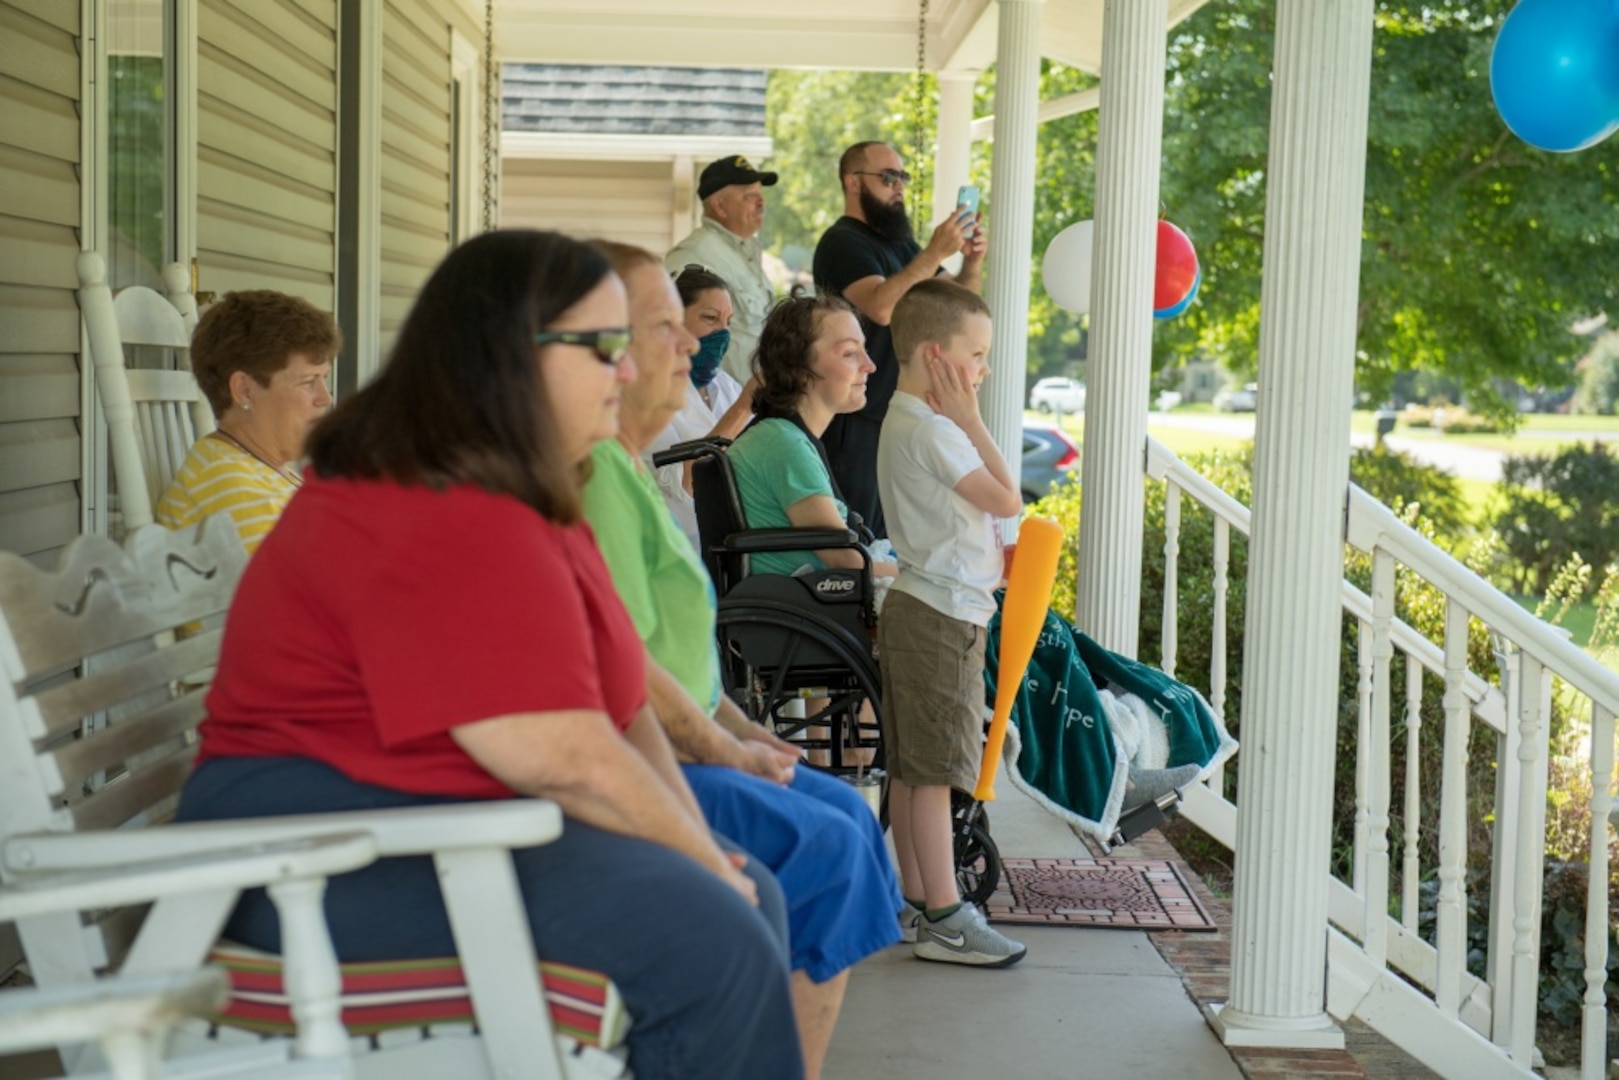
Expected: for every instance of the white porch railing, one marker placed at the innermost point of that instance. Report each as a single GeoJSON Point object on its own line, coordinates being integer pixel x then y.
{"type": "Point", "coordinates": [1416, 988]}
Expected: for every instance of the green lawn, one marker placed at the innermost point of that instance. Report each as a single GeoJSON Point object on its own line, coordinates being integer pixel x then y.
{"type": "Point", "coordinates": [1182, 441]}
{"type": "Point", "coordinates": [1579, 622]}
{"type": "Point", "coordinates": [1479, 498]}
{"type": "Point", "coordinates": [1540, 433]}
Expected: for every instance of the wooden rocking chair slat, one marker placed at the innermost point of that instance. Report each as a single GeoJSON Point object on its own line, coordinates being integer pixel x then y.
{"type": "Point", "coordinates": [61, 708]}
{"type": "Point", "coordinates": [146, 793]}
{"type": "Point", "coordinates": [111, 746]}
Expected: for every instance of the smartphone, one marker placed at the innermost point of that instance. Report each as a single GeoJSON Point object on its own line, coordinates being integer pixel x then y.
{"type": "Point", "coordinates": [968, 197]}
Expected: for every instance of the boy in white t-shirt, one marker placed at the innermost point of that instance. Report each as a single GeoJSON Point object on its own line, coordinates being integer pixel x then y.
{"type": "Point", "coordinates": [943, 484]}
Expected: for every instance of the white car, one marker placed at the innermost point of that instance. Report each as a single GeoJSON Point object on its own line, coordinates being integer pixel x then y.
{"type": "Point", "coordinates": [1057, 395]}
{"type": "Point", "coordinates": [1233, 399]}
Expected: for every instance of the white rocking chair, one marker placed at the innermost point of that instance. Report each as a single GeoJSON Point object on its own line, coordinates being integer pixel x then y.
{"type": "Point", "coordinates": [82, 807]}
{"type": "Point", "coordinates": [153, 416]}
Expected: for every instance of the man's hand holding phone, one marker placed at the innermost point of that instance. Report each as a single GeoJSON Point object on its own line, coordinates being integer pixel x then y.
{"type": "Point", "coordinates": [973, 244]}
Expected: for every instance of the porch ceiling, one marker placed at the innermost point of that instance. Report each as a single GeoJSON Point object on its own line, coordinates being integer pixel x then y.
{"type": "Point", "coordinates": [837, 34]}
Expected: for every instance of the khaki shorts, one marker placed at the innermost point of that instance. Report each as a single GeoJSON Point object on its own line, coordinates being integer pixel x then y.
{"type": "Point", "coordinates": [933, 694]}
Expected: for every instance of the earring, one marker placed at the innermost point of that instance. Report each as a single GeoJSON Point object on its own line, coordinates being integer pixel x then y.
{"type": "Point", "coordinates": [247, 406]}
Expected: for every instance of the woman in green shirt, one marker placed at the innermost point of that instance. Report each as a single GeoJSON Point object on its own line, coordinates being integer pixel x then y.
{"type": "Point", "coordinates": [813, 831]}
{"type": "Point", "coordinates": [812, 366]}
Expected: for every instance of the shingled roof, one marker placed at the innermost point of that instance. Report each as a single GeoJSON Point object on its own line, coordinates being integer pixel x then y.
{"type": "Point", "coordinates": [633, 100]}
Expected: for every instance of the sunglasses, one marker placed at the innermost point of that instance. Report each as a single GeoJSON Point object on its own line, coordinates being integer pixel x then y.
{"type": "Point", "coordinates": [610, 346]}
{"type": "Point", "coordinates": [891, 178]}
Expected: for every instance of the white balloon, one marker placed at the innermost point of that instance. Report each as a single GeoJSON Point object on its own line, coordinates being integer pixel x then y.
{"type": "Point", "coordinates": [1066, 268]}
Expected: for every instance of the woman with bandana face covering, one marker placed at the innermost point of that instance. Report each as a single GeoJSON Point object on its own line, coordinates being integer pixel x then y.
{"type": "Point", "coordinates": [715, 404]}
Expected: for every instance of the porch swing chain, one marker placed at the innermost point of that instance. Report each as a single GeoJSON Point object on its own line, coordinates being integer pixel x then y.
{"type": "Point", "coordinates": [919, 102]}
{"type": "Point", "coordinates": [491, 121]}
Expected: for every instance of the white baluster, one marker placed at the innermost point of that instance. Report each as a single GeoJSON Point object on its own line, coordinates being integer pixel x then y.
{"type": "Point", "coordinates": [1509, 780]}
{"type": "Point", "coordinates": [1411, 872]}
{"type": "Point", "coordinates": [313, 982]}
{"type": "Point", "coordinates": [1451, 931]}
{"type": "Point", "coordinates": [1530, 872]}
{"type": "Point", "coordinates": [1377, 825]}
{"type": "Point", "coordinates": [1363, 761]}
{"type": "Point", "coordinates": [1217, 658]}
{"type": "Point", "coordinates": [1172, 553]}
{"type": "Point", "coordinates": [1594, 1022]}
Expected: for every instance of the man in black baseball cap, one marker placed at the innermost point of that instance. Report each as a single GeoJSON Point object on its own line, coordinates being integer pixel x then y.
{"type": "Point", "coordinates": [727, 243]}
{"type": "Point", "coordinates": [729, 171]}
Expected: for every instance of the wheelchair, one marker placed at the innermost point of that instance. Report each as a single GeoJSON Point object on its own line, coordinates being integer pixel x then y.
{"type": "Point", "coordinates": [796, 651]}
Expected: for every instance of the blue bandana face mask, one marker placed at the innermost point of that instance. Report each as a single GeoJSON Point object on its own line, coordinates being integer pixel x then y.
{"type": "Point", "coordinates": [706, 360]}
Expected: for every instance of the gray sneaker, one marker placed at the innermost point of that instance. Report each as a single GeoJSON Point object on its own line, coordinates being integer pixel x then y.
{"type": "Point", "coordinates": [909, 919]}
{"type": "Point", "coordinates": [966, 938]}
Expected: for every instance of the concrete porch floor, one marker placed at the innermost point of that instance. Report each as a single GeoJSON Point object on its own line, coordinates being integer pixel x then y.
{"type": "Point", "coordinates": [1083, 1003]}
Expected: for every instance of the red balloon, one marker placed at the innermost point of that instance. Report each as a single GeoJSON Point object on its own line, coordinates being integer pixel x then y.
{"type": "Point", "coordinates": [1177, 267]}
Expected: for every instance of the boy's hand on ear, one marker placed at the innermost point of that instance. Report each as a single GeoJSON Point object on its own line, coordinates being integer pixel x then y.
{"type": "Point", "coordinates": [953, 395]}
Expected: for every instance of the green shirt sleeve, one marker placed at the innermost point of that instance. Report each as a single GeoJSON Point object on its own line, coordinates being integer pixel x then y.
{"type": "Point", "coordinates": [609, 504]}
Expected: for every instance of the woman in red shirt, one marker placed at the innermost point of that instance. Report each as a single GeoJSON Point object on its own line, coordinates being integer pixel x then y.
{"type": "Point", "coordinates": [431, 621]}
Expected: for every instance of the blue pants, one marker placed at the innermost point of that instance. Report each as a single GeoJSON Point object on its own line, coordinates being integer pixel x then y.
{"type": "Point", "coordinates": [825, 846]}
{"type": "Point", "coordinates": [703, 973]}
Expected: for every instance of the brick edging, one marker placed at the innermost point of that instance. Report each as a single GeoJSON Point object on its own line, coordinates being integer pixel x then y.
{"type": "Point", "coordinates": [1203, 962]}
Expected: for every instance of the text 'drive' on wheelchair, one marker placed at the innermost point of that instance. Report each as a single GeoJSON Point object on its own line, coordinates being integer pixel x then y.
{"type": "Point", "coordinates": [795, 652]}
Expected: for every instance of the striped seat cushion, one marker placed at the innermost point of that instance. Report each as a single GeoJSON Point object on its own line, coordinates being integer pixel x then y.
{"type": "Point", "coordinates": [385, 995]}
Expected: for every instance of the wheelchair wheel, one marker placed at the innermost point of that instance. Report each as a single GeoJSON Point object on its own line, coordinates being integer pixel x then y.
{"type": "Point", "coordinates": [978, 863]}
{"type": "Point", "coordinates": [775, 655]}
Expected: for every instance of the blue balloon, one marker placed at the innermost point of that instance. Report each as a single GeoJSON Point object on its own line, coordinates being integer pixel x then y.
{"type": "Point", "coordinates": [1185, 302]}
{"type": "Point", "coordinates": [1555, 72]}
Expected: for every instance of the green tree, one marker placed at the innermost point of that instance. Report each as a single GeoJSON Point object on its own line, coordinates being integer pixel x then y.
{"type": "Point", "coordinates": [1479, 251]}
{"type": "Point", "coordinates": [813, 116]}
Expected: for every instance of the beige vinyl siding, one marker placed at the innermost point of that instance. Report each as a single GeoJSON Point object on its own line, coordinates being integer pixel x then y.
{"type": "Point", "coordinates": [267, 146]}
{"type": "Point", "coordinates": [629, 201]}
{"type": "Point", "coordinates": [40, 449]}
{"type": "Point", "coordinates": [416, 141]}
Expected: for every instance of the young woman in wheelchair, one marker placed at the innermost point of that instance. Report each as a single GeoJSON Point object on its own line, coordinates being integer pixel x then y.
{"type": "Point", "coordinates": [812, 830]}
{"type": "Point", "coordinates": [811, 366]}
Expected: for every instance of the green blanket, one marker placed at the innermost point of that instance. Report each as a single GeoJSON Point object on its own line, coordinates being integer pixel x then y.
{"type": "Point", "coordinates": [1061, 746]}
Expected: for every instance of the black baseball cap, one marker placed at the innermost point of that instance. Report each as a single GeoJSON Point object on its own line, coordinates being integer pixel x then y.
{"type": "Point", "coordinates": [730, 170]}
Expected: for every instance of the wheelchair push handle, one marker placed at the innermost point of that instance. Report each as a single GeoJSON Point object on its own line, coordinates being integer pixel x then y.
{"type": "Point", "coordinates": [690, 450]}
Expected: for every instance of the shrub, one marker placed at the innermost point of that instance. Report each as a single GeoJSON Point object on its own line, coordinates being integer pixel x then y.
{"type": "Point", "coordinates": [1449, 419]}
{"type": "Point", "coordinates": [1427, 500]}
{"type": "Point", "coordinates": [1558, 507]}
{"type": "Point", "coordinates": [1399, 480]}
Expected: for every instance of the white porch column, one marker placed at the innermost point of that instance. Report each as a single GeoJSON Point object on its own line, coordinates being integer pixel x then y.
{"type": "Point", "coordinates": [1011, 223]}
{"type": "Point", "coordinates": [1129, 141]}
{"type": "Point", "coordinates": [955, 139]}
{"type": "Point", "coordinates": [1296, 555]}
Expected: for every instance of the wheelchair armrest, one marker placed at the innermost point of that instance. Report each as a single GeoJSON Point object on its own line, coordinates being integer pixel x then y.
{"type": "Point", "coordinates": [690, 450]}
{"type": "Point", "coordinates": [754, 541]}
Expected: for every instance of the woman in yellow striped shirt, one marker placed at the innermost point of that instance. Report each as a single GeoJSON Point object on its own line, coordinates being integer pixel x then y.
{"type": "Point", "coordinates": [263, 360]}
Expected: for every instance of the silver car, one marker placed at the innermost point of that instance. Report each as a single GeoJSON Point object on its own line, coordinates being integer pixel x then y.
{"type": "Point", "coordinates": [1057, 394]}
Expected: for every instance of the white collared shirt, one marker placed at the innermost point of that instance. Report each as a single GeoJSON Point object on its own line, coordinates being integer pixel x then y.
{"type": "Point", "coordinates": [741, 263]}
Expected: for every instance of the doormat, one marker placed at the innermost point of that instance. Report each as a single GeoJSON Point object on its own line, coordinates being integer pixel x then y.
{"type": "Point", "coordinates": [1124, 894]}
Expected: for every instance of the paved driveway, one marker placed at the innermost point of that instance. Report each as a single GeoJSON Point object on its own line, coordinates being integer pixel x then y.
{"type": "Point", "coordinates": [1467, 462]}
